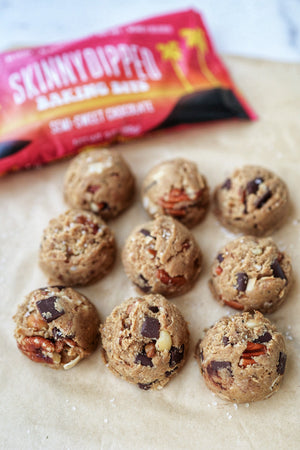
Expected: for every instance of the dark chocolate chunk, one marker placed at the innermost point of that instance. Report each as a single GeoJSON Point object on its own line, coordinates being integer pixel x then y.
{"type": "Point", "coordinates": [8, 148]}
{"type": "Point", "coordinates": [201, 355]}
{"type": "Point", "coordinates": [263, 199]}
{"type": "Point", "coordinates": [176, 355]}
{"type": "Point", "coordinates": [144, 285]}
{"type": "Point", "coordinates": [214, 366]}
{"type": "Point", "coordinates": [143, 359]}
{"type": "Point", "coordinates": [242, 281]}
{"type": "Point", "coordinates": [225, 340]}
{"type": "Point", "coordinates": [57, 334]}
{"type": "Point", "coordinates": [277, 270]}
{"type": "Point", "coordinates": [145, 387]}
{"type": "Point", "coordinates": [168, 373]}
{"type": "Point", "coordinates": [144, 288]}
{"type": "Point", "coordinates": [60, 288]}
{"type": "Point", "coordinates": [145, 232]}
{"type": "Point", "coordinates": [281, 363]}
{"type": "Point", "coordinates": [266, 337]}
{"type": "Point", "coordinates": [220, 257]}
{"type": "Point", "coordinates": [253, 185]}
{"type": "Point", "coordinates": [226, 184]}
{"type": "Point", "coordinates": [150, 328]}
{"type": "Point", "coordinates": [48, 310]}
{"type": "Point", "coordinates": [154, 309]}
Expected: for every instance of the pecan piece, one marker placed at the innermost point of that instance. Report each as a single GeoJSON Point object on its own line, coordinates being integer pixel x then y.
{"type": "Point", "coordinates": [150, 350]}
{"type": "Point", "coordinates": [233, 304]}
{"type": "Point", "coordinates": [253, 349]}
{"type": "Point", "coordinates": [86, 221]}
{"type": "Point", "coordinates": [92, 188]}
{"type": "Point", "coordinates": [36, 321]}
{"type": "Point", "coordinates": [165, 278]}
{"type": "Point", "coordinates": [175, 196]}
{"type": "Point", "coordinates": [218, 270]}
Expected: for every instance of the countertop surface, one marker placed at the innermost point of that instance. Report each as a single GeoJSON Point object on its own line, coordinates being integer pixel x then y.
{"type": "Point", "coordinates": [268, 29]}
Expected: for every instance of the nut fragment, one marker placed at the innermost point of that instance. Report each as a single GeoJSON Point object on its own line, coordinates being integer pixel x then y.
{"type": "Point", "coordinates": [251, 284]}
{"type": "Point", "coordinates": [150, 350]}
{"type": "Point", "coordinates": [252, 323]}
{"type": "Point", "coordinates": [35, 321]}
{"type": "Point", "coordinates": [164, 342]}
{"type": "Point", "coordinates": [72, 363]}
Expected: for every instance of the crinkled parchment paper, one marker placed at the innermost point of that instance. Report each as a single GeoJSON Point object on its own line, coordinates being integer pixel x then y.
{"type": "Point", "coordinates": [89, 408]}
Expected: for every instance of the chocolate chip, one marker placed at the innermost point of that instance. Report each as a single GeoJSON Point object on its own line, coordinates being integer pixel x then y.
{"type": "Point", "coordinates": [168, 373]}
{"type": "Point", "coordinates": [214, 366]}
{"type": "Point", "coordinates": [220, 257]}
{"type": "Point", "coordinates": [242, 281]}
{"type": "Point", "coordinates": [8, 148]}
{"type": "Point", "coordinates": [57, 334]}
{"type": "Point", "coordinates": [253, 185]}
{"type": "Point", "coordinates": [264, 338]}
{"type": "Point", "coordinates": [154, 309]}
{"type": "Point", "coordinates": [145, 387]}
{"type": "Point", "coordinates": [201, 355]}
{"type": "Point", "coordinates": [144, 288]}
{"type": "Point", "coordinates": [48, 308]}
{"type": "Point", "coordinates": [150, 328]}
{"type": "Point", "coordinates": [263, 199]}
{"type": "Point", "coordinates": [277, 270]}
{"type": "Point", "coordinates": [225, 340]}
{"type": "Point", "coordinates": [145, 232]}
{"type": "Point", "coordinates": [144, 284]}
{"type": "Point", "coordinates": [281, 363]}
{"type": "Point", "coordinates": [176, 355]}
{"type": "Point", "coordinates": [226, 184]}
{"type": "Point", "coordinates": [60, 288]}
{"type": "Point", "coordinates": [143, 359]}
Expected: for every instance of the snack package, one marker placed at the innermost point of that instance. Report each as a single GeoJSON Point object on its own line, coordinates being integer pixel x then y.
{"type": "Point", "coordinates": [57, 99]}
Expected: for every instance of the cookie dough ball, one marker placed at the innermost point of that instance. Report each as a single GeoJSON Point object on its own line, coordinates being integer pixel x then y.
{"type": "Point", "coordinates": [251, 273]}
{"type": "Point", "coordinates": [145, 341]}
{"type": "Point", "coordinates": [57, 326]}
{"type": "Point", "coordinates": [176, 188]}
{"type": "Point", "coordinates": [162, 257]}
{"type": "Point", "coordinates": [253, 201]}
{"type": "Point", "coordinates": [99, 181]}
{"type": "Point", "coordinates": [77, 248]}
{"type": "Point", "coordinates": [242, 358]}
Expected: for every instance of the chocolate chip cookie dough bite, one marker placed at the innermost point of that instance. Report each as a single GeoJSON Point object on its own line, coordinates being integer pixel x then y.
{"type": "Point", "coordinates": [251, 273]}
{"type": "Point", "coordinates": [162, 256]}
{"type": "Point", "coordinates": [77, 248]}
{"type": "Point", "coordinates": [99, 181]}
{"type": "Point", "coordinates": [176, 188]}
{"type": "Point", "coordinates": [253, 200]}
{"type": "Point", "coordinates": [57, 326]}
{"type": "Point", "coordinates": [242, 358]}
{"type": "Point", "coordinates": [145, 341]}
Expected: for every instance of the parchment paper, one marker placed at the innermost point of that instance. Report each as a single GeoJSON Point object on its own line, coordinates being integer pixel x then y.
{"type": "Point", "coordinates": [88, 407]}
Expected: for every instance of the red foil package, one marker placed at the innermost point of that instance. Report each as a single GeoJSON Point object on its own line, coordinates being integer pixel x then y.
{"type": "Point", "coordinates": [57, 99]}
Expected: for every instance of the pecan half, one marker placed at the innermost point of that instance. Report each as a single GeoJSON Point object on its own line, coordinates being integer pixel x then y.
{"type": "Point", "coordinates": [38, 349]}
